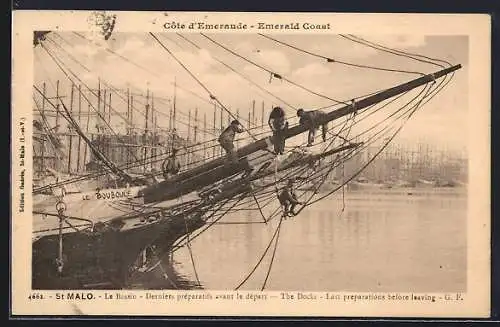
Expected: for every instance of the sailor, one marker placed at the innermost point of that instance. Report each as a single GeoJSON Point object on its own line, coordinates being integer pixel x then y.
{"type": "Point", "coordinates": [288, 199]}
{"type": "Point", "coordinates": [278, 124]}
{"type": "Point", "coordinates": [226, 140]}
{"type": "Point", "coordinates": [310, 120]}
{"type": "Point", "coordinates": [171, 165]}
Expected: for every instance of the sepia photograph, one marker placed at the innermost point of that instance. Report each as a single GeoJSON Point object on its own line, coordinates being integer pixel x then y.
{"type": "Point", "coordinates": [143, 180]}
{"type": "Point", "coordinates": [196, 157]}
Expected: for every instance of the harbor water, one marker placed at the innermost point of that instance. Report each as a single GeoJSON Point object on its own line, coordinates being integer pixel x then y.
{"type": "Point", "coordinates": [384, 240]}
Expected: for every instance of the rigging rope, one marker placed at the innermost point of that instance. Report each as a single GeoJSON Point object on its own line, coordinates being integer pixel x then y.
{"type": "Point", "coordinates": [88, 101]}
{"type": "Point", "coordinates": [273, 255]}
{"type": "Point", "coordinates": [396, 52]}
{"type": "Point", "coordinates": [199, 82]}
{"type": "Point", "coordinates": [143, 68]}
{"type": "Point", "coordinates": [273, 74]}
{"type": "Point", "coordinates": [330, 60]}
{"type": "Point", "coordinates": [240, 74]}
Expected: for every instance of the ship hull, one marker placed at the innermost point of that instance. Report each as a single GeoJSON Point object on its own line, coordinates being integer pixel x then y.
{"type": "Point", "coordinates": [102, 259]}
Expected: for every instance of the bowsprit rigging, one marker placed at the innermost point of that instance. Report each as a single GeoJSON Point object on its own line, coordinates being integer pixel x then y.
{"type": "Point", "coordinates": [94, 237]}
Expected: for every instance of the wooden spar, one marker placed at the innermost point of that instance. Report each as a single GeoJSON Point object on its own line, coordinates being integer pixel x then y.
{"type": "Point", "coordinates": [204, 136]}
{"type": "Point", "coordinates": [57, 104]}
{"type": "Point", "coordinates": [70, 136]}
{"type": "Point", "coordinates": [153, 128]}
{"type": "Point", "coordinates": [109, 110]}
{"type": "Point", "coordinates": [216, 166]}
{"type": "Point", "coordinates": [92, 137]}
{"type": "Point", "coordinates": [188, 152]}
{"type": "Point", "coordinates": [262, 116]}
{"type": "Point", "coordinates": [215, 118]}
{"type": "Point", "coordinates": [128, 111]}
{"type": "Point", "coordinates": [213, 176]}
{"type": "Point", "coordinates": [253, 113]}
{"type": "Point", "coordinates": [132, 113]}
{"type": "Point", "coordinates": [295, 163]}
{"type": "Point", "coordinates": [44, 94]}
{"type": "Point", "coordinates": [79, 123]}
{"type": "Point", "coordinates": [221, 126]}
{"type": "Point", "coordinates": [195, 125]}
{"type": "Point", "coordinates": [145, 134]}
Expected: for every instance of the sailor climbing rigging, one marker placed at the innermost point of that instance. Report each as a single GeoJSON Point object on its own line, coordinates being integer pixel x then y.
{"type": "Point", "coordinates": [278, 124]}
{"type": "Point", "coordinates": [310, 120]}
{"type": "Point", "coordinates": [288, 199]}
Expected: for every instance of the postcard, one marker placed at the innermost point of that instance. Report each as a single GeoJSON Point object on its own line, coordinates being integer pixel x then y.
{"type": "Point", "coordinates": [250, 164]}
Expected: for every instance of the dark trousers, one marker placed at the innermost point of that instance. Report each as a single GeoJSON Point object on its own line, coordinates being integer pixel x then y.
{"type": "Point", "coordinates": [312, 134]}
{"type": "Point", "coordinates": [279, 142]}
{"type": "Point", "coordinates": [231, 154]}
{"type": "Point", "coordinates": [288, 206]}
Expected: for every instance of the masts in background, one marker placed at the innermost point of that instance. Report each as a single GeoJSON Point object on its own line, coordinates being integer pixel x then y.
{"type": "Point", "coordinates": [44, 139]}
{"type": "Point", "coordinates": [70, 129]}
{"type": "Point", "coordinates": [79, 122]}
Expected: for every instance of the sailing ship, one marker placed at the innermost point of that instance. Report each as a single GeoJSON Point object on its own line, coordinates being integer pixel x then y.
{"type": "Point", "coordinates": [126, 219]}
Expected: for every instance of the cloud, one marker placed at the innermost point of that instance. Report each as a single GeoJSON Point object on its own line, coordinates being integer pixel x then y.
{"type": "Point", "coordinates": [272, 59]}
{"type": "Point", "coordinates": [131, 45]}
{"type": "Point", "coordinates": [333, 80]}
{"type": "Point", "coordinates": [397, 41]}
{"type": "Point", "coordinates": [84, 51]}
{"type": "Point", "coordinates": [311, 71]}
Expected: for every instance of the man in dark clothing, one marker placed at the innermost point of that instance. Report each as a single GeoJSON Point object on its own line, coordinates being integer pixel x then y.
{"type": "Point", "coordinates": [278, 125]}
{"type": "Point", "coordinates": [310, 120]}
{"type": "Point", "coordinates": [171, 165]}
{"type": "Point", "coordinates": [288, 199]}
{"type": "Point", "coordinates": [226, 140]}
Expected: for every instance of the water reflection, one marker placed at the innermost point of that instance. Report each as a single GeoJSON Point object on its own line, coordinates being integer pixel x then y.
{"type": "Point", "coordinates": [381, 242]}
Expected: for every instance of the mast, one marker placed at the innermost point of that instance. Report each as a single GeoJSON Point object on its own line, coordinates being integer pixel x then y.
{"type": "Point", "coordinates": [215, 170]}
{"type": "Point", "coordinates": [70, 129]}
{"type": "Point", "coordinates": [175, 99]}
{"type": "Point", "coordinates": [44, 90]}
{"type": "Point", "coordinates": [215, 119]}
{"type": "Point", "coordinates": [79, 122]}
{"type": "Point", "coordinates": [205, 136]}
{"type": "Point", "coordinates": [253, 112]}
{"type": "Point", "coordinates": [57, 103]}
{"type": "Point", "coordinates": [112, 167]}
{"type": "Point", "coordinates": [87, 131]}
{"type": "Point", "coordinates": [262, 115]}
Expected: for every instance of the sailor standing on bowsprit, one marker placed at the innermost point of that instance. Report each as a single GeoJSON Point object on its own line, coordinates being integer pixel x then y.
{"type": "Point", "coordinates": [171, 165]}
{"type": "Point", "coordinates": [310, 119]}
{"type": "Point", "coordinates": [226, 140]}
{"type": "Point", "coordinates": [278, 124]}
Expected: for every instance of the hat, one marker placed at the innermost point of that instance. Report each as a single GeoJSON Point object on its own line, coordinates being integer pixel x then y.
{"type": "Point", "coordinates": [235, 122]}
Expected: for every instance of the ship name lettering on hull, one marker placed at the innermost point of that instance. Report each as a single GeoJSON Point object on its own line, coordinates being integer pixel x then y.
{"type": "Point", "coordinates": [109, 195]}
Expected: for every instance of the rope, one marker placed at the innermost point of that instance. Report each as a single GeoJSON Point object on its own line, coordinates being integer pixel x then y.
{"type": "Point", "coordinates": [339, 61]}
{"type": "Point", "coordinates": [143, 68]}
{"type": "Point", "coordinates": [240, 74]}
{"type": "Point", "coordinates": [199, 82]}
{"type": "Point", "coordinates": [89, 102]}
{"type": "Point", "coordinates": [259, 261]}
{"type": "Point", "coordinates": [189, 246]}
{"type": "Point", "coordinates": [395, 51]}
{"type": "Point", "coordinates": [272, 257]}
{"type": "Point", "coordinates": [273, 74]}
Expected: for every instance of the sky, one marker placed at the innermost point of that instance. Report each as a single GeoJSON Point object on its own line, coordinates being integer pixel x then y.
{"type": "Point", "coordinates": [140, 63]}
